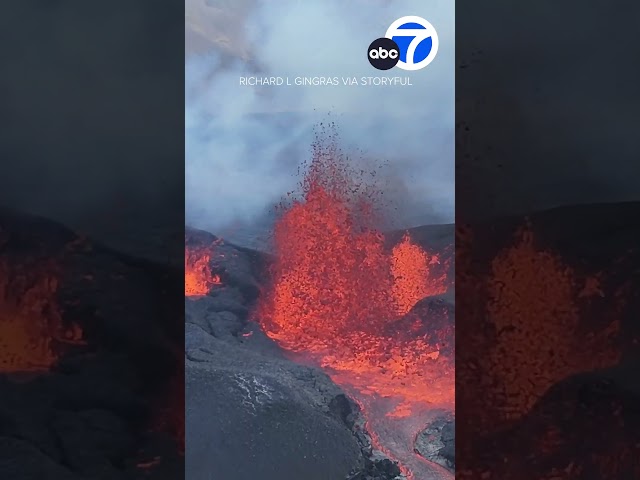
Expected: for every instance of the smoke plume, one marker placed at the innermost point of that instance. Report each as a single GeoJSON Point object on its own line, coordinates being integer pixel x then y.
{"type": "Point", "coordinates": [244, 144]}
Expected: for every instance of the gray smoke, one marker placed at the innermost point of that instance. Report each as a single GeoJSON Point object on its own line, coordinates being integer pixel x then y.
{"type": "Point", "coordinates": [244, 144]}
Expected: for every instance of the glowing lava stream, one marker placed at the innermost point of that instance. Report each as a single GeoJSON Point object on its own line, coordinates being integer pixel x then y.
{"type": "Point", "coordinates": [340, 297]}
{"type": "Point", "coordinates": [399, 435]}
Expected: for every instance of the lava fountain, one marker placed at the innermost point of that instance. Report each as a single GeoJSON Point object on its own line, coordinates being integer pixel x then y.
{"type": "Point", "coordinates": [548, 315]}
{"type": "Point", "coordinates": [340, 296]}
{"type": "Point", "coordinates": [535, 302]}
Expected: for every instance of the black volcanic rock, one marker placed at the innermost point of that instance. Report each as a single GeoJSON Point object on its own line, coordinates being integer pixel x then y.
{"type": "Point", "coordinates": [251, 411]}
{"type": "Point", "coordinates": [378, 467]}
{"type": "Point", "coordinates": [436, 442]}
{"type": "Point", "coordinates": [437, 312]}
{"type": "Point", "coordinates": [589, 421]}
{"type": "Point", "coordinates": [251, 415]}
{"type": "Point", "coordinates": [236, 265]}
{"type": "Point", "coordinates": [21, 460]}
{"type": "Point", "coordinates": [436, 238]}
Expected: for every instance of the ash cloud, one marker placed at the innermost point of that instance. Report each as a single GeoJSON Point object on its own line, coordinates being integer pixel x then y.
{"type": "Point", "coordinates": [244, 144]}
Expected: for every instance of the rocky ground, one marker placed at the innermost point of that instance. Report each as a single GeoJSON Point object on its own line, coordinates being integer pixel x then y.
{"type": "Point", "coordinates": [436, 442]}
{"type": "Point", "coordinates": [108, 409]}
{"type": "Point", "coordinates": [253, 413]}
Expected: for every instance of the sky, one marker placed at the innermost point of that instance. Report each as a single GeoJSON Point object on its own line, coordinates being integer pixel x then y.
{"type": "Point", "coordinates": [243, 144]}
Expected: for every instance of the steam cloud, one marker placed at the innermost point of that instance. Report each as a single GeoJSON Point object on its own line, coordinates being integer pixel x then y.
{"type": "Point", "coordinates": [244, 144]}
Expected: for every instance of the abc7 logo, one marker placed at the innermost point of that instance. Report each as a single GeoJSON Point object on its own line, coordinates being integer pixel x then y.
{"type": "Point", "coordinates": [384, 53]}
{"type": "Point", "coordinates": [410, 42]}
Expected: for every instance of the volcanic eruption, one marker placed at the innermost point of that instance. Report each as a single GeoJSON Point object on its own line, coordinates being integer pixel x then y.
{"type": "Point", "coordinates": [335, 343]}
{"type": "Point", "coordinates": [554, 350]}
{"type": "Point", "coordinates": [340, 296]}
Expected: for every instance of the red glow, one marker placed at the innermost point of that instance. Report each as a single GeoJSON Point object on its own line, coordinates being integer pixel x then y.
{"type": "Point", "coordinates": [412, 279]}
{"type": "Point", "coordinates": [32, 334]}
{"type": "Point", "coordinates": [339, 295]}
{"type": "Point", "coordinates": [535, 301]}
{"type": "Point", "coordinates": [198, 276]}
{"type": "Point", "coordinates": [24, 344]}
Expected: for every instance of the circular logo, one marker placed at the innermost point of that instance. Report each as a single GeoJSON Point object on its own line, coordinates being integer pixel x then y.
{"type": "Point", "coordinates": [417, 42]}
{"type": "Point", "coordinates": [383, 53]}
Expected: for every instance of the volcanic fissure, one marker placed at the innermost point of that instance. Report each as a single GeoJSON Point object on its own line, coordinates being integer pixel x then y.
{"type": "Point", "coordinates": [369, 308]}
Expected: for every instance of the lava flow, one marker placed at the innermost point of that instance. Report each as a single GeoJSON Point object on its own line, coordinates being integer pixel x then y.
{"type": "Point", "coordinates": [341, 297]}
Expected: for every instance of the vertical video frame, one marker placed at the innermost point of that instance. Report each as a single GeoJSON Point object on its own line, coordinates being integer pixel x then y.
{"type": "Point", "coordinates": [319, 241]}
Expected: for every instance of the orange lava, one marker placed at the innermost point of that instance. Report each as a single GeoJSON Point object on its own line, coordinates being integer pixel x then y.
{"type": "Point", "coordinates": [339, 294]}
{"type": "Point", "coordinates": [534, 302]}
{"type": "Point", "coordinates": [31, 330]}
{"type": "Point", "coordinates": [546, 318]}
{"type": "Point", "coordinates": [24, 346]}
{"type": "Point", "coordinates": [198, 277]}
{"type": "Point", "coordinates": [412, 280]}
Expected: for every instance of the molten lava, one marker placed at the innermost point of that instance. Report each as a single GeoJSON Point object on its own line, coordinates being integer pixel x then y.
{"type": "Point", "coordinates": [546, 318]}
{"type": "Point", "coordinates": [24, 345]}
{"type": "Point", "coordinates": [534, 302]}
{"type": "Point", "coordinates": [412, 281]}
{"type": "Point", "coordinates": [338, 294]}
{"type": "Point", "coordinates": [198, 276]}
{"type": "Point", "coordinates": [31, 330]}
